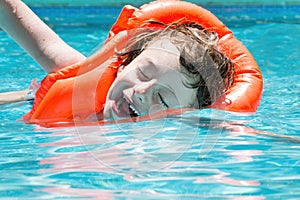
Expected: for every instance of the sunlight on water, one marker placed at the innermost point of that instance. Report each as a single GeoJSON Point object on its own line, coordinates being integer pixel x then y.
{"type": "Point", "coordinates": [205, 154]}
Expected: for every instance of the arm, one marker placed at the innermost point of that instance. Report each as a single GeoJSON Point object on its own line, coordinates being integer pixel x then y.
{"type": "Point", "coordinates": [29, 31]}
{"type": "Point", "coordinates": [106, 52]}
{"type": "Point", "coordinates": [32, 34]}
{"type": "Point", "coordinates": [12, 97]}
{"type": "Point", "coordinates": [21, 95]}
{"type": "Point", "coordinates": [98, 59]}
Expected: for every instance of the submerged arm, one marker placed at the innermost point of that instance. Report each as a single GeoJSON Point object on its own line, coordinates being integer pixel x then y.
{"type": "Point", "coordinates": [32, 34]}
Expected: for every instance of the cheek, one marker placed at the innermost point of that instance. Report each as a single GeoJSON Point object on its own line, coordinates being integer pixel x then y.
{"type": "Point", "coordinates": [124, 79]}
{"type": "Point", "coordinates": [190, 99]}
{"type": "Point", "coordinates": [126, 74]}
{"type": "Point", "coordinates": [113, 90]}
{"type": "Point", "coordinates": [121, 83]}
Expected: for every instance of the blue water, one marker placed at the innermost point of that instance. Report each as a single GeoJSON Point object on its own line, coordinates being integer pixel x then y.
{"type": "Point", "coordinates": [205, 154]}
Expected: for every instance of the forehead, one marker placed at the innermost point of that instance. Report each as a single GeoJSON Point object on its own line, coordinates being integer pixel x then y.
{"type": "Point", "coordinates": [163, 45]}
{"type": "Point", "coordinates": [162, 53]}
{"type": "Point", "coordinates": [164, 56]}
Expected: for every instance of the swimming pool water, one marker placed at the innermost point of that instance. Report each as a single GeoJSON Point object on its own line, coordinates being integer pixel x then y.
{"type": "Point", "coordinates": [206, 154]}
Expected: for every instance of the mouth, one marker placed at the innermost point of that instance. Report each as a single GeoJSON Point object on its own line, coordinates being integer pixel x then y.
{"type": "Point", "coordinates": [133, 112]}
{"type": "Point", "coordinates": [125, 108]}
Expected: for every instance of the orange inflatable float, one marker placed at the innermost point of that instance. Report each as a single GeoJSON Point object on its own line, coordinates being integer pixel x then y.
{"type": "Point", "coordinates": [78, 91]}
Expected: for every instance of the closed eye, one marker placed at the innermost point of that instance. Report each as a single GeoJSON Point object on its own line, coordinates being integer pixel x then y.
{"type": "Point", "coordinates": [161, 101]}
{"type": "Point", "coordinates": [146, 70]}
{"type": "Point", "coordinates": [141, 75]}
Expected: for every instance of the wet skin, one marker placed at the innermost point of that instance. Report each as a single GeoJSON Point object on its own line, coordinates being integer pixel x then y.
{"type": "Point", "coordinates": [150, 83]}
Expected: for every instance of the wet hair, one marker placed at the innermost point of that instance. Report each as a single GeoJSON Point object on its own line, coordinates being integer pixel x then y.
{"type": "Point", "coordinates": [209, 70]}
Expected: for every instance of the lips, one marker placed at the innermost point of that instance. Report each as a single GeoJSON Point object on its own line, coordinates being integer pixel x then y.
{"type": "Point", "coordinates": [133, 112]}
{"type": "Point", "coordinates": [124, 108]}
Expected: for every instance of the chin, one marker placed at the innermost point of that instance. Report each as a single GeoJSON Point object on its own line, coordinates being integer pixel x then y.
{"type": "Point", "coordinates": [108, 112]}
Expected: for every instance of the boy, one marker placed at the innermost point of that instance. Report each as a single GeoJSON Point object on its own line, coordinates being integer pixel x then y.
{"type": "Point", "coordinates": [175, 67]}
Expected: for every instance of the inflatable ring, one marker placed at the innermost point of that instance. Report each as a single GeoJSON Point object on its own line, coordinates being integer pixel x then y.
{"type": "Point", "coordinates": [56, 97]}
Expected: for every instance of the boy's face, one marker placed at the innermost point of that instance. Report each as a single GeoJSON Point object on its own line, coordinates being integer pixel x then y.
{"type": "Point", "coordinates": [150, 83]}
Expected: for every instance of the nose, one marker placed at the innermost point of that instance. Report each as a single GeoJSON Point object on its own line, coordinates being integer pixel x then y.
{"type": "Point", "coordinates": [143, 92]}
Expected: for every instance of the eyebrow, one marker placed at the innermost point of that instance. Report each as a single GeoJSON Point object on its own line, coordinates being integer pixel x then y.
{"type": "Point", "coordinates": [149, 62]}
